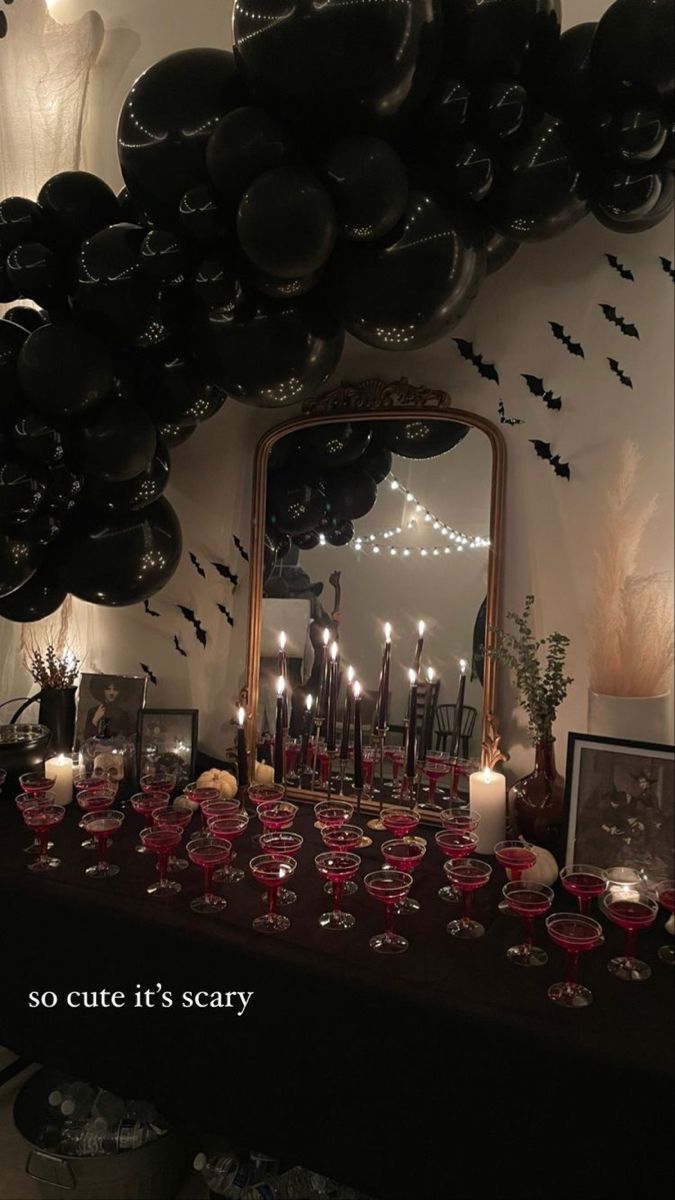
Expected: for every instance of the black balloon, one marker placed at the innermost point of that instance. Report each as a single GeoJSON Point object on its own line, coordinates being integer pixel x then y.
{"type": "Point", "coordinates": [36, 439]}
{"type": "Point", "coordinates": [448, 108]}
{"type": "Point", "coordinates": [271, 354]}
{"type": "Point", "coordinates": [501, 38]}
{"type": "Point", "coordinates": [8, 291]}
{"type": "Point", "coordinates": [247, 142]}
{"type": "Point", "coordinates": [569, 90]}
{"type": "Point", "coordinates": [421, 437]}
{"type": "Point", "coordinates": [64, 486]}
{"type": "Point", "coordinates": [128, 209]}
{"type": "Point", "coordinates": [636, 134]}
{"type": "Point", "coordinates": [117, 444]}
{"type": "Point", "coordinates": [137, 493]}
{"type": "Point", "coordinates": [466, 171]}
{"type": "Point", "coordinates": [307, 541]}
{"type": "Point", "coordinates": [351, 493]}
{"type": "Point", "coordinates": [63, 370]}
{"type": "Point", "coordinates": [634, 44]}
{"type": "Point", "coordinates": [541, 191]}
{"type": "Point", "coordinates": [21, 220]}
{"type": "Point", "coordinates": [175, 435]}
{"type": "Point", "coordinates": [286, 222]}
{"type": "Point", "coordinates": [175, 392]}
{"type": "Point", "coordinates": [341, 534]}
{"type": "Point", "coordinates": [42, 529]}
{"type": "Point", "coordinates": [368, 184]}
{"type": "Point", "coordinates": [35, 600]}
{"type": "Point", "coordinates": [201, 215]}
{"type": "Point", "coordinates": [295, 507]}
{"type": "Point", "coordinates": [503, 110]}
{"type": "Point", "coordinates": [358, 65]}
{"type": "Point", "coordinates": [632, 202]}
{"type": "Point", "coordinates": [12, 338]}
{"type": "Point", "coordinates": [166, 122]}
{"type": "Point", "coordinates": [78, 204]}
{"type": "Point", "coordinates": [114, 296]}
{"type": "Point", "coordinates": [162, 257]}
{"type": "Point", "coordinates": [18, 561]}
{"type": "Point", "coordinates": [216, 281]}
{"type": "Point", "coordinates": [335, 445]}
{"type": "Point", "coordinates": [377, 461]}
{"type": "Point", "coordinates": [410, 288]}
{"type": "Point", "coordinates": [22, 490]}
{"type": "Point", "coordinates": [285, 289]}
{"type": "Point", "coordinates": [125, 558]}
{"type": "Point", "coordinates": [36, 273]}
{"type": "Point", "coordinates": [500, 250]}
{"type": "Point", "coordinates": [27, 318]}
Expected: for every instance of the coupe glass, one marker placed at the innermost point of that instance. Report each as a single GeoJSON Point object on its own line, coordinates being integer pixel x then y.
{"type": "Point", "coordinates": [368, 762]}
{"type": "Point", "coordinates": [209, 854]}
{"type": "Point", "coordinates": [631, 915]}
{"type": "Point", "coordinates": [330, 814]}
{"type": "Point", "coordinates": [404, 854]}
{"type": "Point", "coordinates": [435, 768]}
{"type": "Point", "coordinates": [343, 837]}
{"type": "Point", "coordinates": [147, 803]}
{"type": "Point", "coordinates": [162, 840]}
{"type": "Point", "coordinates": [515, 856]}
{"type": "Point", "coordinates": [228, 829]}
{"type": "Point", "coordinates": [259, 792]}
{"type": "Point", "coordinates": [158, 781]}
{"type": "Point", "coordinates": [666, 894]}
{"type": "Point", "coordinates": [400, 822]}
{"type": "Point", "coordinates": [284, 844]}
{"type": "Point", "coordinates": [469, 874]}
{"type": "Point", "coordinates": [94, 800]}
{"type": "Point", "coordinates": [275, 815]}
{"type": "Point", "coordinates": [585, 883]}
{"type": "Point", "coordinates": [102, 826]}
{"type": "Point", "coordinates": [271, 871]}
{"type": "Point", "coordinates": [390, 888]}
{"type": "Point", "coordinates": [199, 796]}
{"type": "Point", "coordinates": [459, 822]}
{"type": "Point", "coordinates": [217, 808]}
{"type": "Point", "coordinates": [24, 800]}
{"type": "Point", "coordinates": [177, 815]}
{"type": "Point", "coordinates": [338, 867]}
{"type": "Point", "coordinates": [454, 846]}
{"type": "Point", "coordinates": [35, 783]}
{"type": "Point", "coordinates": [90, 780]}
{"type": "Point", "coordinates": [41, 817]}
{"type": "Point", "coordinates": [291, 759]}
{"type": "Point", "coordinates": [527, 900]}
{"type": "Point", "coordinates": [576, 934]}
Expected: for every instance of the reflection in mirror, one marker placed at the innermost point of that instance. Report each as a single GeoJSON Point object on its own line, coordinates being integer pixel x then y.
{"type": "Point", "coordinates": [377, 549]}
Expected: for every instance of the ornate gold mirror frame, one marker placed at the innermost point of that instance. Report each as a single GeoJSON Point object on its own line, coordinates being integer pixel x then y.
{"type": "Point", "coordinates": [373, 400]}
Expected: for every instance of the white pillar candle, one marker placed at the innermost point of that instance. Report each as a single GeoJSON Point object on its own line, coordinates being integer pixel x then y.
{"type": "Point", "coordinates": [487, 796]}
{"type": "Point", "coordinates": [60, 769]}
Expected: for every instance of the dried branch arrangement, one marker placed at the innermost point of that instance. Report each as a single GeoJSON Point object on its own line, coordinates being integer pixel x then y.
{"type": "Point", "coordinates": [52, 669]}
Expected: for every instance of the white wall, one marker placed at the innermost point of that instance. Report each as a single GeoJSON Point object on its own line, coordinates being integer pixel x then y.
{"type": "Point", "coordinates": [551, 525]}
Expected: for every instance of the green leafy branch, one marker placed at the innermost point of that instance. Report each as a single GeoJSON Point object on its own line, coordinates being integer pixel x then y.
{"type": "Point", "coordinates": [540, 678]}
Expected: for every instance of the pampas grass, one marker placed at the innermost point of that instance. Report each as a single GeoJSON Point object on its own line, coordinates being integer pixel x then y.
{"type": "Point", "coordinates": [631, 634]}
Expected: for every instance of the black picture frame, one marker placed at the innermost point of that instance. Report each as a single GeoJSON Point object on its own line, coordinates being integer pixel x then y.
{"type": "Point", "coordinates": [120, 711]}
{"type": "Point", "coordinates": [619, 802]}
{"type": "Point", "coordinates": [165, 735]}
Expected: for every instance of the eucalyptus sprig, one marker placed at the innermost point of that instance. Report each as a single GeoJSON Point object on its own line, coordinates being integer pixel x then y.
{"type": "Point", "coordinates": [542, 685]}
{"type": "Point", "coordinates": [52, 670]}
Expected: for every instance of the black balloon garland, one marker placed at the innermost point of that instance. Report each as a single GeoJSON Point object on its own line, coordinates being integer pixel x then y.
{"type": "Point", "coordinates": [351, 167]}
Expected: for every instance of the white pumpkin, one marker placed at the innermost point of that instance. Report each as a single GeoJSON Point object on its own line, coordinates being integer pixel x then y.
{"type": "Point", "coordinates": [670, 924]}
{"type": "Point", "coordinates": [545, 870]}
{"type": "Point", "coordinates": [223, 780]}
{"type": "Point", "coordinates": [264, 773]}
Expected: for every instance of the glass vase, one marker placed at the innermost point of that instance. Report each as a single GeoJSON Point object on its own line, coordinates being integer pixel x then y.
{"type": "Point", "coordinates": [538, 801]}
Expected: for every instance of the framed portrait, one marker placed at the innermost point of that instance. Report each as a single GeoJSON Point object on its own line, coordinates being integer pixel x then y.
{"type": "Point", "coordinates": [619, 800]}
{"type": "Point", "coordinates": [107, 705]}
{"type": "Point", "coordinates": [167, 741]}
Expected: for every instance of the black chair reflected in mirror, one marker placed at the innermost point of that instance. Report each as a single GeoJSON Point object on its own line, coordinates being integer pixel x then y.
{"type": "Point", "coordinates": [445, 724]}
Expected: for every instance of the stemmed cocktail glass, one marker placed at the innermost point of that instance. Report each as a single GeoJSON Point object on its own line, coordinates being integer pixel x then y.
{"type": "Point", "coordinates": [666, 894]}
{"type": "Point", "coordinates": [585, 882]}
{"type": "Point", "coordinates": [527, 900]}
{"type": "Point", "coordinates": [435, 768]}
{"type": "Point", "coordinates": [515, 856]}
{"type": "Point", "coordinates": [271, 871]}
{"type": "Point", "coordinates": [284, 844]}
{"type": "Point", "coordinates": [292, 759]}
{"type": "Point", "coordinates": [390, 888]}
{"type": "Point", "coordinates": [162, 840]}
{"type": "Point", "coordinates": [227, 829]}
{"type": "Point", "coordinates": [146, 803]}
{"type": "Point", "coordinates": [338, 867]}
{"type": "Point", "coordinates": [177, 815]}
{"type": "Point", "coordinates": [24, 800]}
{"type": "Point", "coordinates": [102, 826]}
{"type": "Point", "coordinates": [275, 815]}
{"type": "Point", "coordinates": [95, 799]}
{"type": "Point", "coordinates": [576, 934]}
{"type": "Point", "coordinates": [404, 854]}
{"type": "Point", "coordinates": [201, 796]}
{"type": "Point", "coordinates": [631, 915]}
{"type": "Point", "coordinates": [330, 814]}
{"type": "Point", "coordinates": [343, 837]}
{"type": "Point", "coordinates": [258, 792]}
{"type": "Point", "coordinates": [469, 874]}
{"type": "Point", "coordinates": [41, 817]}
{"type": "Point", "coordinates": [454, 845]}
{"type": "Point", "coordinates": [158, 781]}
{"type": "Point", "coordinates": [400, 822]}
{"type": "Point", "coordinates": [36, 783]}
{"type": "Point", "coordinates": [209, 854]}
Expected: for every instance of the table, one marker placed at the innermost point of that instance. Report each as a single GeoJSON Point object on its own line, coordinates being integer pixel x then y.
{"type": "Point", "coordinates": [443, 1071]}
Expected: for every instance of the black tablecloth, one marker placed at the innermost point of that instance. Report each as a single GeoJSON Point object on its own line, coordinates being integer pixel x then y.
{"type": "Point", "coordinates": [444, 1070]}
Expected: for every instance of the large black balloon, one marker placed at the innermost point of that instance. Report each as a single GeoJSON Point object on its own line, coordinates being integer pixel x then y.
{"type": "Point", "coordinates": [356, 65]}
{"type": "Point", "coordinates": [201, 214]}
{"type": "Point", "coordinates": [421, 437]}
{"type": "Point", "coordinates": [335, 445]}
{"type": "Point", "coordinates": [114, 296]}
{"type": "Point", "coordinates": [541, 191]}
{"type": "Point", "coordinates": [124, 559]}
{"type": "Point", "coordinates": [137, 493]}
{"type": "Point", "coordinates": [466, 171]}
{"type": "Point", "coordinates": [635, 134]}
{"type": "Point", "coordinates": [175, 392]}
{"type": "Point", "coordinates": [216, 281]}
{"type": "Point", "coordinates": [285, 289]}
{"type": "Point", "coordinates": [166, 122]}
{"type": "Point", "coordinates": [34, 600]}
{"type": "Point", "coordinates": [43, 528]}
{"type": "Point", "coordinates": [162, 257]}
{"type": "Point", "coordinates": [22, 491]}
{"type": "Point", "coordinates": [175, 435]}
{"type": "Point", "coordinates": [503, 109]}
{"type": "Point", "coordinates": [377, 461]}
{"type": "Point", "coordinates": [307, 541]}
{"type": "Point", "coordinates": [569, 90]}
{"type": "Point", "coordinates": [12, 338]}
{"type": "Point", "coordinates": [247, 142]}
{"type": "Point", "coordinates": [27, 318]}
{"type": "Point", "coordinates": [269, 354]}
{"type": "Point", "coordinates": [295, 507]}
{"type": "Point", "coordinates": [21, 220]}
{"type": "Point", "coordinates": [447, 111]}
{"type": "Point", "coordinates": [36, 439]}
{"type": "Point", "coordinates": [8, 291]}
{"type": "Point", "coordinates": [78, 204]}
{"type": "Point", "coordinates": [499, 249]}
{"type": "Point", "coordinates": [351, 493]}
{"type": "Point", "coordinates": [340, 534]}
{"type": "Point", "coordinates": [411, 287]}
{"type": "Point", "coordinates": [368, 184]}
{"type": "Point", "coordinates": [36, 273]}
{"type": "Point", "coordinates": [634, 44]}
{"type": "Point", "coordinates": [117, 444]}
{"type": "Point", "coordinates": [286, 222]}
{"type": "Point", "coordinates": [487, 40]}
{"type": "Point", "coordinates": [64, 370]}
{"type": "Point", "coordinates": [18, 561]}
{"type": "Point", "coordinates": [636, 201]}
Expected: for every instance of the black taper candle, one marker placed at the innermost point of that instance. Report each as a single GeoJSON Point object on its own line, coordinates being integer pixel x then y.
{"type": "Point", "coordinates": [347, 717]}
{"type": "Point", "coordinates": [358, 739]}
{"type": "Point", "coordinates": [279, 733]}
{"type": "Point", "coordinates": [333, 688]}
{"type": "Point", "coordinates": [456, 739]}
{"type": "Point", "coordinates": [306, 728]}
{"type": "Point", "coordinates": [242, 756]}
{"type": "Point", "coordinates": [411, 744]}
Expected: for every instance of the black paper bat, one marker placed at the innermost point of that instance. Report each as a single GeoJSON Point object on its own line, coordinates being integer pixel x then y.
{"type": "Point", "coordinates": [543, 450]}
{"type": "Point", "coordinates": [3, 25]}
{"type": "Point", "coordinates": [150, 611]}
{"type": "Point", "coordinates": [619, 372]}
{"type": "Point", "coordinates": [178, 646]}
{"type": "Point", "coordinates": [486, 370]}
{"type": "Point", "coordinates": [226, 614]}
{"type": "Point", "coordinates": [537, 388]}
{"type": "Point", "coordinates": [240, 548]}
{"type": "Point", "coordinates": [148, 672]}
{"type": "Point", "coordinates": [197, 565]}
{"type": "Point", "coordinates": [507, 420]}
{"type": "Point", "coordinates": [621, 323]}
{"type": "Point", "coordinates": [624, 272]}
{"type": "Point", "coordinates": [561, 336]}
{"type": "Point", "coordinates": [668, 268]}
{"type": "Point", "coordinates": [200, 632]}
{"type": "Point", "coordinates": [226, 573]}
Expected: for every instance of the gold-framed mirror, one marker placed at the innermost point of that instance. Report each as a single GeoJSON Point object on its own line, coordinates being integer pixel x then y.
{"type": "Point", "coordinates": [428, 548]}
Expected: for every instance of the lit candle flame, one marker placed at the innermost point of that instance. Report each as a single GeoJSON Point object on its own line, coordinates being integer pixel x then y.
{"type": "Point", "coordinates": [357, 689]}
{"type": "Point", "coordinates": [334, 650]}
{"type": "Point", "coordinates": [326, 636]}
{"type": "Point", "coordinates": [350, 674]}
{"type": "Point", "coordinates": [487, 775]}
{"type": "Point", "coordinates": [387, 631]}
{"type": "Point", "coordinates": [412, 676]}
{"type": "Point", "coordinates": [430, 674]}
{"type": "Point", "coordinates": [281, 685]}
{"type": "Point", "coordinates": [241, 714]}
{"type": "Point", "coordinates": [420, 628]}
{"type": "Point", "coordinates": [282, 640]}
{"type": "Point", "coordinates": [309, 700]}
{"type": "Point", "coordinates": [463, 665]}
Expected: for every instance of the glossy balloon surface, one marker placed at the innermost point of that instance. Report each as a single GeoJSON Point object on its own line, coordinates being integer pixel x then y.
{"type": "Point", "coordinates": [78, 204]}
{"type": "Point", "coordinates": [295, 507]}
{"type": "Point", "coordinates": [18, 561]}
{"type": "Point", "coordinates": [335, 445]}
{"type": "Point", "coordinates": [21, 220]}
{"type": "Point", "coordinates": [422, 437]}
{"type": "Point", "coordinates": [124, 559]}
{"type": "Point", "coordinates": [286, 223]}
{"type": "Point", "coordinates": [247, 142]}
{"type": "Point", "coordinates": [351, 493]}
{"type": "Point", "coordinates": [368, 184]}
{"type": "Point", "coordinates": [63, 370]}
{"type": "Point", "coordinates": [137, 493]}
{"type": "Point", "coordinates": [634, 44]}
{"type": "Point", "coordinates": [541, 192]}
{"type": "Point", "coordinates": [487, 40]}
{"type": "Point", "coordinates": [34, 600]}
{"type": "Point", "coordinates": [117, 444]}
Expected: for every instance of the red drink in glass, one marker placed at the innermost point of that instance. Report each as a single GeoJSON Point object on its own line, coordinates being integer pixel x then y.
{"type": "Point", "coordinates": [368, 762]}
{"type": "Point", "coordinates": [146, 803]}
{"type": "Point", "coordinates": [631, 915]}
{"type": "Point", "coordinates": [208, 853]}
{"type": "Point", "coordinates": [434, 769]}
{"type": "Point", "coordinates": [102, 825]}
{"type": "Point", "coordinates": [41, 818]}
{"type": "Point", "coordinates": [162, 841]}
{"type": "Point", "coordinates": [515, 856]}
{"type": "Point", "coordinates": [338, 867]}
{"type": "Point", "coordinates": [271, 871]}
{"type": "Point", "coordinates": [400, 821]}
{"type": "Point", "coordinates": [174, 816]}
{"type": "Point", "coordinates": [157, 781]}
{"type": "Point", "coordinates": [259, 792]}
{"type": "Point", "coordinates": [330, 814]}
{"type": "Point", "coordinates": [405, 854]}
{"type": "Point", "coordinates": [584, 882]}
{"type": "Point", "coordinates": [275, 815]}
{"type": "Point", "coordinates": [390, 888]}
{"type": "Point", "coordinates": [227, 829]}
{"type": "Point", "coordinates": [666, 895]}
{"type": "Point", "coordinates": [575, 933]}
{"type": "Point", "coordinates": [468, 875]}
{"type": "Point", "coordinates": [292, 755]}
{"type": "Point", "coordinates": [527, 900]}
{"type": "Point", "coordinates": [454, 845]}
{"type": "Point", "coordinates": [22, 801]}
{"type": "Point", "coordinates": [35, 784]}
{"type": "Point", "coordinates": [94, 800]}
{"type": "Point", "coordinates": [343, 837]}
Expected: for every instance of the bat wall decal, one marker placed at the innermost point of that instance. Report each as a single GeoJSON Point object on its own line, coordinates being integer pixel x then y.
{"type": "Point", "coordinates": [621, 323]}
{"type": "Point", "coordinates": [561, 335]}
{"type": "Point", "coordinates": [240, 548]}
{"type": "Point", "coordinates": [507, 420]}
{"type": "Point", "coordinates": [543, 450]}
{"type": "Point", "coordinates": [228, 615]}
{"type": "Point", "coordinates": [178, 646]}
{"type": "Point", "coordinates": [485, 369]}
{"type": "Point", "coordinates": [150, 611]}
{"type": "Point", "coordinates": [146, 670]}
{"type": "Point", "coordinates": [616, 368]}
{"type": "Point", "coordinates": [197, 565]}
{"type": "Point", "coordinates": [537, 388]}
{"type": "Point", "coordinates": [200, 632]}
{"type": "Point", "coordinates": [668, 268]}
{"type": "Point", "coordinates": [226, 573]}
{"type": "Point", "coordinates": [624, 272]}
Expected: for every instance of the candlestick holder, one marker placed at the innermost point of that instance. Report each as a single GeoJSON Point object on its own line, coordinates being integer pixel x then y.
{"type": "Point", "coordinates": [332, 755]}
{"type": "Point", "coordinates": [378, 738]}
{"type": "Point", "coordinates": [318, 722]}
{"type": "Point", "coordinates": [343, 771]}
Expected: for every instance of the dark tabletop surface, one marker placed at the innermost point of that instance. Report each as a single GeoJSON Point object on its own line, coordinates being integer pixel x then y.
{"type": "Point", "coordinates": [363, 1066]}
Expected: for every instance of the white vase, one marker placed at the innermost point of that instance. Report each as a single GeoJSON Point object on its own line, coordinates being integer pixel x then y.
{"type": "Point", "coordinates": [633, 718]}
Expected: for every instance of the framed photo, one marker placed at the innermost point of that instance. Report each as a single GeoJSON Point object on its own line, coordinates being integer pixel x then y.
{"type": "Point", "coordinates": [167, 740]}
{"type": "Point", "coordinates": [108, 703]}
{"type": "Point", "coordinates": [619, 800]}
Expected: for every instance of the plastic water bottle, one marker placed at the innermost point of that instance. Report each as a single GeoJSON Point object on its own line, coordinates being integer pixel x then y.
{"type": "Point", "coordinates": [223, 1173]}
{"type": "Point", "coordinates": [110, 1109]}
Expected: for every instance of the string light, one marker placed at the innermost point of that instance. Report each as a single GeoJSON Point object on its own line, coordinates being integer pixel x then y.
{"type": "Point", "coordinates": [430, 518]}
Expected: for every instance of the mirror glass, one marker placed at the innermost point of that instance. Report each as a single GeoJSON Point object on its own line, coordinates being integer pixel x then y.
{"type": "Point", "coordinates": [375, 523]}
